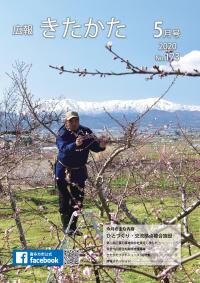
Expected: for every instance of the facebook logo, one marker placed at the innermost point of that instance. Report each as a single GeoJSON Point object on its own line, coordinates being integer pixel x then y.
{"type": "Point", "coordinates": [46, 257]}
{"type": "Point", "coordinates": [21, 257]}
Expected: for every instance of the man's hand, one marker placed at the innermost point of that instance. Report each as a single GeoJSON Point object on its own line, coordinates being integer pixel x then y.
{"type": "Point", "coordinates": [103, 142]}
{"type": "Point", "coordinates": [79, 141]}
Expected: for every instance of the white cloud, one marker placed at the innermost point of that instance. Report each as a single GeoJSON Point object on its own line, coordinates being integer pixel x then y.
{"type": "Point", "coordinates": [187, 63]}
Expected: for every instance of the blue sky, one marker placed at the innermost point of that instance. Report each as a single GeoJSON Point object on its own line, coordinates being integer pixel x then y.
{"type": "Point", "coordinates": [139, 47]}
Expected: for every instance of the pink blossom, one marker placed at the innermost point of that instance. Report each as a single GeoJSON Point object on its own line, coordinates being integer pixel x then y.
{"type": "Point", "coordinates": [87, 271]}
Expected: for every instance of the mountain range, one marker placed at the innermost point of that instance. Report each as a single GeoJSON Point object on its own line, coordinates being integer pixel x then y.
{"type": "Point", "coordinates": [138, 105]}
{"type": "Point", "coordinates": [93, 114]}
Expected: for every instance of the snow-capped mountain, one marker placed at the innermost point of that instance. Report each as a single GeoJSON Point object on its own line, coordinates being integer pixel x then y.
{"type": "Point", "coordinates": [93, 114]}
{"type": "Point", "coordinates": [138, 105]}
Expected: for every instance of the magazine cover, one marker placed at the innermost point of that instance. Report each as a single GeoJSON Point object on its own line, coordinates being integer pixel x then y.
{"type": "Point", "coordinates": [99, 141]}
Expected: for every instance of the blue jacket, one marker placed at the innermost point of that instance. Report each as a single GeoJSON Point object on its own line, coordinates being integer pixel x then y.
{"type": "Point", "coordinates": [66, 143]}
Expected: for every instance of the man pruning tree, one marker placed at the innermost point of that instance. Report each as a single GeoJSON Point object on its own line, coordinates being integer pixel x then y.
{"type": "Point", "coordinates": [74, 142]}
